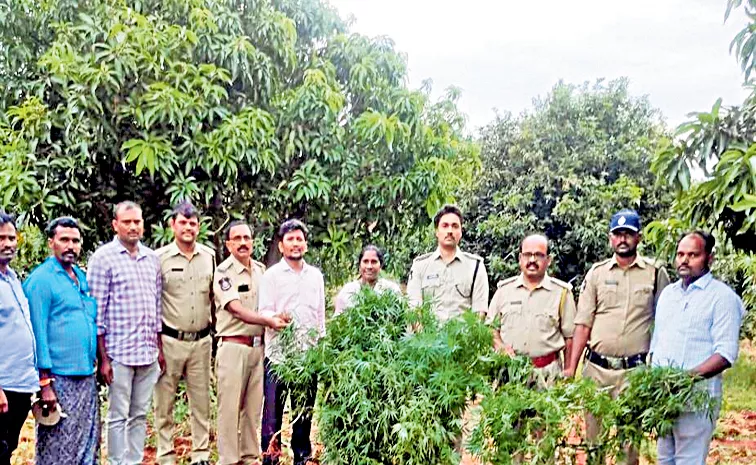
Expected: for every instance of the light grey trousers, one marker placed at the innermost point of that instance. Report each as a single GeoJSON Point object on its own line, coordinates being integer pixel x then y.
{"type": "Point", "coordinates": [128, 400]}
{"type": "Point", "coordinates": [689, 442]}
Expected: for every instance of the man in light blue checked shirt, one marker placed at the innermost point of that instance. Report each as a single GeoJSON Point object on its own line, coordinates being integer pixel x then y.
{"type": "Point", "coordinates": [125, 278]}
{"type": "Point", "coordinates": [696, 328]}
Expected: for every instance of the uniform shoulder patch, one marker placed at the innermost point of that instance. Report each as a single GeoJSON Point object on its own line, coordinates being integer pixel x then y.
{"type": "Point", "coordinates": [561, 283]}
{"type": "Point", "coordinates": [422, 257]}
{"type": "Point", "coordinates": [472, 256]}
{"type": "Point", "coordinates": [259, 265]}
{"type": "Point", "coordinates": [653, 262]}
{"type": "Point", "coordinates": [224, 283]}
{"type": "Point", "coordinates": [504, 282]}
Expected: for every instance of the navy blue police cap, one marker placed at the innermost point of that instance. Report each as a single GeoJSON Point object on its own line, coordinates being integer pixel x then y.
{"type": "Point", "coordinates": [626, 219]}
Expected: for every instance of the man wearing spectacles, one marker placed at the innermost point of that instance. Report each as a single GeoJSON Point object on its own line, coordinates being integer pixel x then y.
{"type": "Point", "coordinates": [534, 313]}
{"type": "Point", "coordinates": [239, 362]}
{"type": "Point", "coordinates": [452, 280]}
{"type": "Point", "coordinates": [615, 312]}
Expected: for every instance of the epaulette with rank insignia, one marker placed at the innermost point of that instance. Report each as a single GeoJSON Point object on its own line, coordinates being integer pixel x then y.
{"type": "Point", "coordinates": [506, 281]}
{"type": "Point", "coordinates": [561, 283]}
{"type": "Point", "coordinates": [422, 257]}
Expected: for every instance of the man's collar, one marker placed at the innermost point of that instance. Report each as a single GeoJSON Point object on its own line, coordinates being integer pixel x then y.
{"type": "Point", "coordinates": [239, 266]}
{"type": "Point", "coordinates": [545, 283]}
{"type": "Point", "coordinates": [173, 249]}
{"type": "Point", "coordinates": [122, 248]}
{"type": "Point", "coordinates": [437, 254]}
{"type": "Point", "coordinates": [639, 262]}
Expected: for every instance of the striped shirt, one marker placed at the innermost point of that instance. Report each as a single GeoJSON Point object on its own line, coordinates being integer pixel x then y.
{"type": "Point", "coordinates": [695, 323]}
{"type": "Point", "coordinates": [128, 291]}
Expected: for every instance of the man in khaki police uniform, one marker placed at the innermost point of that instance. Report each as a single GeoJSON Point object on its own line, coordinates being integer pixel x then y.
{"type": "Point", "coordinates": [616, 310]}
{"type": "Point", "coordinates": [451, 279]}
{"type": "Point", "coordinates": [536, 313]}
{"type": "Point", "coordinates": [239, 361]}
{"type": "Point", "coordinates": [187, 271]}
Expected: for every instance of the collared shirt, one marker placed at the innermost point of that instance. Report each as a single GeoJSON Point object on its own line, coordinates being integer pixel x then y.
{"type": "Point", "coordinates": [187, 286]}
{"type": "Point", "coordinates": [63, 315]}
{"type": "Point", "coordinates": [695, 323]}
{"type": "Point", "coordinates": [618, 304]}
{"type": "Point", "coordinates": [17, 352]}
{"type": "Point", "coordinates": [234, 281]}
{"type": "Point", "coordinates": [302, 295]}
{"type": "Point", "coordinates": [129, 293]}
{"type": "Point", "coordinates": [449, 286]}
{"type": "Point", "coordinates": [537, 322]}
{"type": "Point", "coordinates": [345, 297]}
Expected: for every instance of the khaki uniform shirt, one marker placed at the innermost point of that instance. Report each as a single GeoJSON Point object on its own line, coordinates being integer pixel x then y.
{"type": "Point", "coordinates": [234, 281]}
{"type": "Point", "coordinates": [619, 305]}
{"type": "Point", "coordinates": [187, 287]}
{"type": "Point", "coordinates": [534, 323]}
{"type": "Point", "coordinates": [450, 286]}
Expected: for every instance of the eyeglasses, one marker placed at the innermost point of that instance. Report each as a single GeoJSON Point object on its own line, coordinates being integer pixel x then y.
{"type": "Point", "coordinates": [530, 255]}
{"type": "Point", "coordinates": [238, 239]}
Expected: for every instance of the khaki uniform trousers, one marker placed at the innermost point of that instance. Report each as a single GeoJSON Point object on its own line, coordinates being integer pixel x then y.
{"type": "Point", "coordinates": [617, 380]}
{"type": "Point", "coordinates": [190, 359]}
{"type": "Point", "coordinates": [240, 393]}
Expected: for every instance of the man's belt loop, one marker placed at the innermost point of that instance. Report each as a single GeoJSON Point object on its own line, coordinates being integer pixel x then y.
{"type": "Point", "coordinates": [615, 363]}
{"type": "Point", "coordinates": [185, 335]}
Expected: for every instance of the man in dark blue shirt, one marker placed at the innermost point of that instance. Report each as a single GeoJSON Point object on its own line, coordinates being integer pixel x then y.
{"type": "Point", "coordinates": [63, 315]}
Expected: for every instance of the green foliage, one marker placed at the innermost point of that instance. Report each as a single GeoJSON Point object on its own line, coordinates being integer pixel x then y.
{"type": "Point", "coordinates": [264, 109]}
{"type": "Point", "coordinates": [391, 396]}
{"type": "Point", "coordinates": [563, 168]}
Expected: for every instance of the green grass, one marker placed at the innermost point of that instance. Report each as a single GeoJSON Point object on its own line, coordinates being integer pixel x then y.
{"type": "Point", "coordinates": [739, 382]}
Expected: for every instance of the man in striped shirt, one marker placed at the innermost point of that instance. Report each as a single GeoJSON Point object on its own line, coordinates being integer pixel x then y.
{"type": "Point", "coordinates": [696, 328]}
{"type": "Point", "coordinates": [125, 278]}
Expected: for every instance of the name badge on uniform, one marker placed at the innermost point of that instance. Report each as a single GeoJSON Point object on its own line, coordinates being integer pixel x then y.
{"type": "Point", "coordinates": [225, 284]}
{"type": "Point", "coordinates": [611, 282]}
{"type": "Point", "coordinates": [243, 287]}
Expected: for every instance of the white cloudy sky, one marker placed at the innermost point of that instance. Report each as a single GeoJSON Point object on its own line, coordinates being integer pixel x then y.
{"type": "Point", "coordinates": [502, 53]}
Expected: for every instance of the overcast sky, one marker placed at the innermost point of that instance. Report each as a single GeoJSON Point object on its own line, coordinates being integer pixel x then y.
{"type": "Point", "coordinates": [502, 53]}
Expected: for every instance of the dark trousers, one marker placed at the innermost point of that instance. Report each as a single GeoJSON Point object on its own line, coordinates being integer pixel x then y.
{"type": "Point", "coordinates": [275, 397]}
{"type": "Point", "coordinates": [11, 423]}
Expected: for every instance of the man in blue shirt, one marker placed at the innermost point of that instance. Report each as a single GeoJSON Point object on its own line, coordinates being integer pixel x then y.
{"type": "Point", "coordinates": [18, 376]}
{"type": "Point", "coordinates": [63, 315]}
{"type": "Point", "coordinates": [696, 328]}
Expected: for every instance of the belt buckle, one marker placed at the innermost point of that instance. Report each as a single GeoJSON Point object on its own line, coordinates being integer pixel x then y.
{"type": "Point", "coordinates": [615, 363]}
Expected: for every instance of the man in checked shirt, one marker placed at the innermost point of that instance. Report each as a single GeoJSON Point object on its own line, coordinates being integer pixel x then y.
{"type": "Point", "coordinates": [125, 278]}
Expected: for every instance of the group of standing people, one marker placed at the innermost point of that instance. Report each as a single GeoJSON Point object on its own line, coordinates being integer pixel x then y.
{"type": "Point", "coordinates": [142, 319]}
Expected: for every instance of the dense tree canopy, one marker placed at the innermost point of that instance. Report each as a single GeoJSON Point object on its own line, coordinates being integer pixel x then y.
{"type": "Point", "coordinates": [563, 168]}
{"type": "Point", "coordinates": [263, 109]}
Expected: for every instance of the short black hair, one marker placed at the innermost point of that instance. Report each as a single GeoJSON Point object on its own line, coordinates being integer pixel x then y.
{"type": "Point", "coordinates": [185, 209]}
{"type": "Point", "coordinates": [374, 248]}
{"type": "Point", "coordinates": [7, 218]}
{"type": "Point", "coordinates": [233, 224]}
{"type": "Point", "coordinates": [708, 238]}
{"type": "Point", "coordinates": [446, 209]}
{"type": "Point", "coordinates": [63, 222]}
{"type": "Point", "coordinates": [291, 225]}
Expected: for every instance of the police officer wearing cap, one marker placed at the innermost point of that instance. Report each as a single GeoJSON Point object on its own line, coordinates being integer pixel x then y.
{"type": "Point", "coordinates": [451, 279]}
{"type": "Point", "coordinates": [615, 312]}
{"type": "Point", "coordinates": [239, 362]}
{"type": "Point", "coordinates": [535, 313]}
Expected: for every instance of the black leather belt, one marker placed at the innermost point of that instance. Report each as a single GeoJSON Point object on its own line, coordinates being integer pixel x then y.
{"type": "Point", "coordinates": [185, 335]}
{"type": "Point", "coordinates": [616, 363]}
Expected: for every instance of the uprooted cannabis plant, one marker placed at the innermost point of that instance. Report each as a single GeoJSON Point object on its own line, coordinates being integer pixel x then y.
{"type": "Point", "coordinates": [394, 384]}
